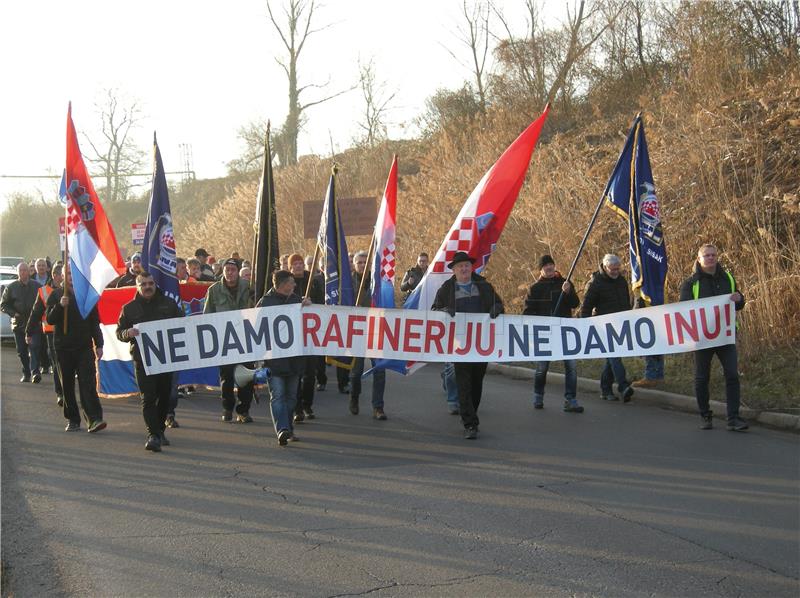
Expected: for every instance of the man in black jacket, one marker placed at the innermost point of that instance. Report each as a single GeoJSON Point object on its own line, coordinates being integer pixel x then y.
{"type": "Point", "coordinates": [285, 372]}
{"type": "Point", "coordinates": [147, 305]}
{"type": "Point", "coordinates": [607, 293]}
{"type": "Point", "coordinates": [542, 298]}
{"type": "Point", "coordinates": [709, 280]}
{"type": "Point", "coordinates": [18, 299]}
{"type": "Point", "coordinates": [468, 292]}
{"type": "Point", "coordinates": [414, 275]}
{"type": "Point", "coordinates": [75, 355]}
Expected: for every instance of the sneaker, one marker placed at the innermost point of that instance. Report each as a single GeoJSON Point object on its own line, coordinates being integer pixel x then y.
{"type": "Point", "coordinates": [293, 438]}
{"type": "Point", "coordinates": [379, 414]}
{"type": "Point", "coordinates": [572, 406]}
{"type": "Point", "coordinates": [227, 416]}
{"type": "Point", "coordinates": [73, 427]}
{"type": "Point", "coordinates": [283, 437]}
{"type": "Point", "coordinates": [354, 405]}
{"type": "Point", "coordinates": [737, 424]}
{"type": "Point", "coordinates": [299, 416]}
{"type": "Point", "coordinates": [171, 422]}
{"type": "Point", "coordinates": [244, 418]}
{"type": "Point", "coordinates": [25, 378]}
{"type": "Point", "coordinates": [610, 397]}
{"type": "Point", "coordinates": [627, 394]}
{"type": "Point", "coordinates": [153, 444]}
{"type": "Point", "coordinates": [647, 383]}
{"type": "Point", "coordinates": [96, 426]}
{"type": "Point", "coordinates": [538, 402]}
{"type": "Point", "coordinates": [36, 378]}
{"type": "Point", "coordinates": [708, 421]}
{"type": "Point", "coordinates": [309, 413]}
{"type": "Point", "coordinates": [164, 440]}
{"type": "Point", "coordinates": [471, 433]}
{"type": "Point", "coordinates": [60, 401]}
{"type": "Point", "coordinates": [321, 387]}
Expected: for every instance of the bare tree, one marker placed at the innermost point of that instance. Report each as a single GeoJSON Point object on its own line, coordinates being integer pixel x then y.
{"type": "Point", "coordinates": [475, 35]}
{"type": "Point", "coordinates": [117, 157]}
{"type": "Point", "coordinates": [294, 34]}
{"type": "Point", "coordinates": [376, 102]}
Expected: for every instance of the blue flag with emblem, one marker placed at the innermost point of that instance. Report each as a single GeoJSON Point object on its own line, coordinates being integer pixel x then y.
{"type": "Point", "coordinates": [158, 252]}
{"type": "Point", "coordinates": [631, 193]}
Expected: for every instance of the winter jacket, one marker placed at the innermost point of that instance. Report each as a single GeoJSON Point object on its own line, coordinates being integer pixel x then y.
{"type": "Point", "coordinates": [37, 321]}
{"type": "Point", "coordinates": [710, 285]}
{"type": "Point", "coordinates": [138, 310]}
{"type": "Point", "coordinates": [317, 294]}
{"type": "Point", "coordinates": [219, 298]}
{"type": "Point", "coordinates": [411, 279]}
{"type": "Point", "coordinates": [543, 295]}
{"type": "Point", "coordinates": [17, 302]}
{"type": "Point", "coordinates": [284, 366]}
{"type": "Point", "coordinates": [490, 301]}
{"type": "Point", "coordinates": [80, 333]}
{"type": "Point", "coordinates": [126, 280]}
{"type": "Point", "coordinates": [366, 293]}
{"type": "Point", "coordinates": [605, 295]}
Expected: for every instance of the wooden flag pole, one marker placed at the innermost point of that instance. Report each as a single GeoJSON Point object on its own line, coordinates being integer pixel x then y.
{"type": "Point", "coordinates": [66, 267]}
{"type": "Point", "coordinates": [311, 272]}
{"type": "Point", "coordinates": [366, 269]}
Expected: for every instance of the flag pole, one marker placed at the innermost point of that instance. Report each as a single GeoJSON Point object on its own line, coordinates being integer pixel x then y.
{"type": "Point", "coordinates": [586, 235]}
{"type": "Point", "coordinates": [311, 272]}
{"type": "Point", "coordinates": [364, 274]}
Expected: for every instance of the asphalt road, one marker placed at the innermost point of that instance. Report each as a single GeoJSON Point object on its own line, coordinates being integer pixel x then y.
{"type": "Point", "coordinates": [622, 500]}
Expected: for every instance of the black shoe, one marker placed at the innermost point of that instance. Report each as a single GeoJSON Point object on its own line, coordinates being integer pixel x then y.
{"type": "Point", "coordinates": [299, 416]}
{"type": "Point", "coordinates": [708, 421]}
{"type": "Point", "coordinates": [25, 378]}
{"type": "Point", "coordinates": [153, 444]}
{"type": "Point", "coordinates": [379, 414]}
{"type": "Point", "coordinates": [572, 406]}
{"type": "Point", "coordinates": [453, 411]}
{"type": "Point", "coordinates": [36, 378]}
{"type": "Point", "coordinates": [96, 426]}
{"type": "Point", "coordinates": [471, 433]}
{"type": "Point", "coordinates": [171, 422]}
{"type": "Point", "coordinates": [164, 440]}
{"type": "Point", "coordinates": [321, 387]}
{"type": "Point", "coordinates": [244, 418]}
{"type": "Point", "coordinates": [283, 437]}
{"type": "Point", "coordinates": [227, 416]}
{"type": "Point", "coordinates": [309, 413]}
{"type": "Point", "coordinates": [354, 405]}
{"type": "Point", "coordinates": [345, 390]}
{"type": "Point", "coordinates": [73, 427]}
{"type": "Point", "coordinates": [610, 397]}
{"type": "Point", "coordinates": [626, 396]}
{"type": "Point", "coordinates": [60, 401]}
{"type": "Point", "coordinates": [737, 424]}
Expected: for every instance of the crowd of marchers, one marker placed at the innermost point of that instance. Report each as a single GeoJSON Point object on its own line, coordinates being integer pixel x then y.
{"type": "Point", "coordinates": [52, 338]}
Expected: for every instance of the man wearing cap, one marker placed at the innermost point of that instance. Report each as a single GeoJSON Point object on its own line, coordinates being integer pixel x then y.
{"type": "Point", "coordinates": [206, 271]}
{"type": "Point", "coordinates": [129, 278]}
{"type": "Point", "coordinates": [231, 293]}
{"type": "Point", "coordinates": [541, 300]}
{"type": "Point", "coordinates": [468, 292]}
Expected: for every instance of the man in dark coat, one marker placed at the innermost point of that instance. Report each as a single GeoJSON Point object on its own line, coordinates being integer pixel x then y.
{"type": "Point", "coordinates": [75, 355]}
{"type": "Point", "coordinates": [709, 280]}
{"type": "Point", "coordinates": [414, 275]}
{"type": "Point", "coordinates": [468, 292]}
{"type": "Point", "coordinates": [285, 372]}
{"type": "Point", "coordinates": [607, 293]}
{"type": "Point", "coordinates": [542, 298]}
{"type": "Point", "coordinates": [147, 305]}
{"type": "Point", "coordinates": [17, 301]}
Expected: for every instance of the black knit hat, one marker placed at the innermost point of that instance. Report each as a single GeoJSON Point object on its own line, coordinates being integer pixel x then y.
{"type": "Point", "coordinates": [546, 259]}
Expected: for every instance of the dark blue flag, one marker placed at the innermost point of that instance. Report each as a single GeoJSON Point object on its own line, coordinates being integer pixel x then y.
{"type": "Point", "coordinates": [632, 194]}
{"type": "Point", "coordinates": [158, 253]}
{"type": "Point", "coordinates": [332, 244]}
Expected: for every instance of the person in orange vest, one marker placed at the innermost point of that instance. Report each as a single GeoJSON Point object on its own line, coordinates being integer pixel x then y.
{"type": "Point", "coordinates": [37, 324]}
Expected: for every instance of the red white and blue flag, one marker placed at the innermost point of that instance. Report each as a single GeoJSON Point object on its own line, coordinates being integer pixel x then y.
{"type": "Point", "coordinates": [478, 226]}
{"type": "Point", "coordinates": [385, 256]}
{"type": "Point", "coordinates": [94, 256]}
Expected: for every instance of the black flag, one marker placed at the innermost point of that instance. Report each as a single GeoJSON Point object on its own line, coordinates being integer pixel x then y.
{"type": "Point", "coordinates": [265, 247]}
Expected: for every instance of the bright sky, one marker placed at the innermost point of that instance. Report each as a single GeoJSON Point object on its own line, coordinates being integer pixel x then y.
{"type": "Point", "coordinates": [202, 69]}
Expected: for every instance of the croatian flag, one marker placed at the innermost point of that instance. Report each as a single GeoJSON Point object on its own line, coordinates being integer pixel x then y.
{"type": "Point", "coordinates": [478, 226]}
{"type": "Point", "coordinates": [94, 256]}
{"type": "Point", "coordinates": [385, 257]}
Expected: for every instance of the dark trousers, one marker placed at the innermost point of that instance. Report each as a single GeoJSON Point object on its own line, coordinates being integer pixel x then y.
{"type": "Point", "coordinates": [322, 375]}
{"type": "Point", "coordinates": [25, 352]}
{"type": "Point", "coordinates": [342, 378]}
{"type": "Point", "coordinates": [702, 373]}
{"type": "Point", "coordinates": [469, 379]}
{"type": "Point", "coordinates": [613, 370]}
{"type": "Point", "coordinates": [155, 391]}
{"type": "Point", "coordinates": [80, 362]}
{"type": "Point", "coordinates": [378, 382]}
{"type": "Point", "coordinates": [44, 355]}
{"type": "Point", "coordinates": [228, 396]}
{"type": "Point", "coordinates": [305, 386]}
{"type": "Point", "coordinates": [54, 360]}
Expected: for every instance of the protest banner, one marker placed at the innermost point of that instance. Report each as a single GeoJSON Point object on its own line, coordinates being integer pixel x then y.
{"type": "Point", "coordinates": [289, 331]}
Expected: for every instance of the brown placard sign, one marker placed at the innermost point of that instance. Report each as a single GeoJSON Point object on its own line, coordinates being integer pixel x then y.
{"type": "Point", "coordinates": [358, 216]}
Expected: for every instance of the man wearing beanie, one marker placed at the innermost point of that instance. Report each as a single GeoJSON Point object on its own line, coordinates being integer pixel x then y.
{"type": "Point", "coordinates": [542, 298]}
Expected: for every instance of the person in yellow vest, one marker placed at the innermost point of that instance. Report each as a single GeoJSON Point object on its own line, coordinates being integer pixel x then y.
{"type": "Point", "coordinates": [37, 324]}
{"type": "Point", "coordinates": [709, 280]}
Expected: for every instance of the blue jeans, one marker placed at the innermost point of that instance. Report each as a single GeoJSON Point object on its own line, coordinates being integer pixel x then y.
{"type": "Point", "coordinates": [378, 382]}
{"type": "Point", "coordinates": [449, 385]}
{"type": "Point", "coordinates": [28, 354]}
{"type": "Point", "coordinates": [282, 400]}
{"type": "Point", "coordinates": [613, 370]}
{"type": "Point", "coordinates": [654, 367]}
{"type": "Point", "coordinates": [570, 379]}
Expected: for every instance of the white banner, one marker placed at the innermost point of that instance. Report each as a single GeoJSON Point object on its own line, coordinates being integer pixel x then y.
{"type": "Point", "coordinates": [273, 332]}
